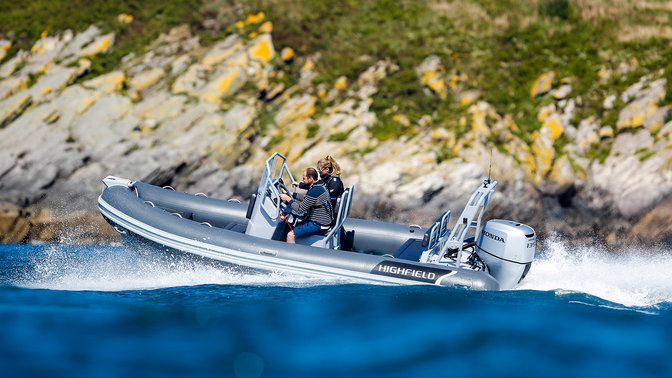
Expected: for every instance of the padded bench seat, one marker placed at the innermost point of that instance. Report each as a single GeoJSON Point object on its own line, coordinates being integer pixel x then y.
{"type": "Point", "coordinates": [236, 227]}
{"type": "Point", "coordinates": [410, 250]}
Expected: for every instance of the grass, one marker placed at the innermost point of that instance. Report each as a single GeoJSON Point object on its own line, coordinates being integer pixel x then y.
{"type": "Point", "coordinates": [339, 137]}
{"type": "Point", "coordinates": [24, 22]}
{"type": "Point", "coordinates": [599, 152]}
{"type": "Point", "coordinates": [312, 130]}
{"type": "Point", "coordinates": [646, 155]}
{"type": "Point", "coordinates": [33, 78]}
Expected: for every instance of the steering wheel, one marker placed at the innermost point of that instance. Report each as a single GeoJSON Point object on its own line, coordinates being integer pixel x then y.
{"type": "Point", "coordinates": [283, 189]}
{"type": "Point", "coordinates": [280, 186]}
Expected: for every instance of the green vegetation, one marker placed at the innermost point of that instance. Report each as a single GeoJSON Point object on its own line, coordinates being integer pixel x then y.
{"type": "Point", "coordinates": [599, 152]}
{"type": "Point", "coordinates": [644, 153]}
{"type": "Point", "coordinates": [339, 137]}
{"type": "Point", "coordinates": [501, 59]}
{"type": "Point", "coordinates": [500, 47]}
{"type": "Point", "coordinates": [555, 8]}
{"type": "Point", "coordinates": [312, 130]}
{"type": "Point", "coordinates": [647, 155]}
{"type": "Point", "coordinates": [32, 78]}
{"type": "Point", "coordinates": [24, 22]}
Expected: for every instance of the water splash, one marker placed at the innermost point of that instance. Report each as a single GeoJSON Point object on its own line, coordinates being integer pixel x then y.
{"type": "Point", "coordinates": [636, 277]}
{"type": "Point", "coordinates": [116, 268]}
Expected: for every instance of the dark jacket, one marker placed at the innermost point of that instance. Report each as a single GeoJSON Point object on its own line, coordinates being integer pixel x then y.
{"type": "Point", "coordinates": [315, 205]}
{"type": "Point", "coordinates": [335, 187]}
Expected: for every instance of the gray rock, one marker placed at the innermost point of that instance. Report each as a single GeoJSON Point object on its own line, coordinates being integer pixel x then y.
{"type": "Point", "coordinates": [7, 162]}
{"type": "Point", "coordinates": [79, 191]}
{"type": "Point", "coordinates": [28, 131]}
{"type": "Point", "coordinates": [94, 128]}
{"type": "Point", "coordinates": [160, 107]}
{"type": "Point", "coordinates": [562, 92]}
{"type": "Point", "coordinates": [239, 118]}
{"type": "Point", "coordinates": [36, 172]}
{"type": "Point", "coordinates": [171, 128]}
{"type": "Point", "coordinates": [657, 119]}
{"type": "Point", "coordinates": [99, 45]}
{"type": "Point", "coordinates": [632, 91]}
{"type": "Point", "coordinates": [609, 101]}
{"type": "Point", "coordinates": [9, 66]}
{"type": "Point", "coordinates": [12, 85]}
{"type": "Point", "coordinates": [586, 136]}
{"type": "Point", "coordinates": [74, 47]}
{"type": "Point", "coordinates": [238, 183]}
{"type": "Point", "coordinates": [52, 82]}
{"type": "Point", "coordinates": [71, 103]}
{"type": "Point", "coordinates": [634, 184]}
{"type": "Point", "coordinates": [191, 80]}
{"type": "Point", "coordinates": [156, 166]}
{"type": "Point", "coordinates": [223, 50]}
{"type": "Point", "coordinates": [12, 107]}
{"type": "Point", "coordinates": [43, 53]}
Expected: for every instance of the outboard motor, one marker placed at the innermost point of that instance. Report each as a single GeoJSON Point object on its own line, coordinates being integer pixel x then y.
{"type": "Point", "coordinates": [507, 248]}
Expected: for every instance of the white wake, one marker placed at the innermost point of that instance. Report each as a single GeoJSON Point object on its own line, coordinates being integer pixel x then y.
{"type": "Point", "coordinates": [107, 268]}
{"type": "Point", "coordinates": [635, 277]}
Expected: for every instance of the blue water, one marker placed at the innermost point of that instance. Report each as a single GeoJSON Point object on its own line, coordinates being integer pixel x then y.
{"type": "Point", "coordinates": [106, 311]}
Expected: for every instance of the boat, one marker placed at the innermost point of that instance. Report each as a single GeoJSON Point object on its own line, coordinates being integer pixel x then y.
{"type": "Point", "coordinates": [496, 255]}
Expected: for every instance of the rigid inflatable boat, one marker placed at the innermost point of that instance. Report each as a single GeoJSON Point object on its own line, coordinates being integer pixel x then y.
{"type": "Point", "coordinates": [494, 256]}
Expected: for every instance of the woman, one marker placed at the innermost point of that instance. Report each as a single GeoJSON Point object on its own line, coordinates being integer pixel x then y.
{"type": "Point", "coordinates": [329, 172]}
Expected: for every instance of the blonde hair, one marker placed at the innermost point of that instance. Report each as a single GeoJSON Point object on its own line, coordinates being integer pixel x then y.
{"type": "Point", "coordinates": [329, 162]}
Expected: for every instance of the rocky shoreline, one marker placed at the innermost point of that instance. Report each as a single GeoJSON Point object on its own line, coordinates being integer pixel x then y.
{"type": "Point", "coordinates": [191, 117]}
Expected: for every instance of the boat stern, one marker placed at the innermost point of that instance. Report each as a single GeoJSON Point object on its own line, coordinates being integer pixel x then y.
{"type": "Point", "coordinates": [507, 248]}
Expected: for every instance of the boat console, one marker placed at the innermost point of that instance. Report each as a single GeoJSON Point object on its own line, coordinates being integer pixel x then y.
{"type": "Point", "coordinates": [269, 219]}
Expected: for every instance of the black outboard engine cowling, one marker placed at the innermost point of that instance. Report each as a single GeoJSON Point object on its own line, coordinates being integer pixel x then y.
{"type": "Point", "coordinates": [507, 248]}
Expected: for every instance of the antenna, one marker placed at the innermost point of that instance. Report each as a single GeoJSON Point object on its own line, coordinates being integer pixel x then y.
{"type": "Point", "coordinates": [490, 168]}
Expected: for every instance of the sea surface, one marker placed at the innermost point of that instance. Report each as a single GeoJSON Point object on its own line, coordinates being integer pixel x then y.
{"type": "Point", "coordinates": [107, 311]}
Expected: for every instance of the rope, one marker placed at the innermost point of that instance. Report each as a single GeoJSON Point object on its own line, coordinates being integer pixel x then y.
{"type": "Point", "coordinates": [284, 217]}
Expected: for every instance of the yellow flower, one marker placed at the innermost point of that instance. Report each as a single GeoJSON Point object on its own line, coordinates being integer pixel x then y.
{"type": "Point", "coordinates": [341, 83]}
{"type": "Point", "coordinates": [254, 18]}
{"type": "Point", "coordinates": [287, 53]}
{"type": "Point", "coordinates": [266, 27]}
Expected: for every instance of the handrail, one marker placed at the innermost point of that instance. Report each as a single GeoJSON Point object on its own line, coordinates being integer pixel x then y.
{"type": "Point", "coordinates": [437, 230]}
{"type": "Point", "coordinates": [343, 212]}
{"type": "Point", "coordinates": [475, 208]}
{"type": "Point", "coordinates": [267, 182]}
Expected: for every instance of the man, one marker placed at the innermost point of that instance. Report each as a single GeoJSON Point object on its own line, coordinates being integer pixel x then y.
{"type": "Point", "coordinates": [329, 172]}
{"type": "Point", "coordinates": [315, 205]}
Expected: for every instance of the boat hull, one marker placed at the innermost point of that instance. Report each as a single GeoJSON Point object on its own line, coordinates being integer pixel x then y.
{"type": "Point", "coordinates": [179, 222]}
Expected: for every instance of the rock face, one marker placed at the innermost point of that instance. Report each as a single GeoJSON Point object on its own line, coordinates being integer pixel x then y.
{"type": "Point", "coordinates": [205, 119]}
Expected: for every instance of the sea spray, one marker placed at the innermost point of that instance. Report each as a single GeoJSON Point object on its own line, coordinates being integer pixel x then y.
{"type": "Point", "coordinates": [116, 268]}
{"type": "Point", "coordinates": [635, 277]}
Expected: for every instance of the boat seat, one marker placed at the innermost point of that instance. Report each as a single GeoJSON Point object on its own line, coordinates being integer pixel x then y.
{"type": "Point", "coordinates": [410, 250]}
{"type": "Point", "coordinates": [236, 227]}
{"type": "Point", "coordinates": [413, 248]}
{"type": "Point", "coordinates": [332, 238]}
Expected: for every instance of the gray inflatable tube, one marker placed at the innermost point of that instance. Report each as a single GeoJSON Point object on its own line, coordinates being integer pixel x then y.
{"type": "Point", "coordinates": [215, 229]}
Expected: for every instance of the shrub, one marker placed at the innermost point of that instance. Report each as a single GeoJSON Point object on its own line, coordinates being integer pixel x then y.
{"type": "Point", "coordinates": [555, 8]}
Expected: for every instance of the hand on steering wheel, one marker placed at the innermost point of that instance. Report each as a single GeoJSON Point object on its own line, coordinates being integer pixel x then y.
{"type": "Point", "coordinates": [282, 188]}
